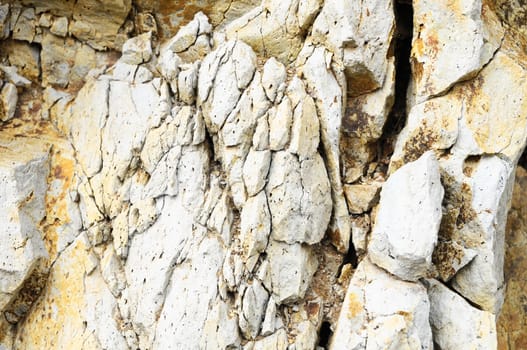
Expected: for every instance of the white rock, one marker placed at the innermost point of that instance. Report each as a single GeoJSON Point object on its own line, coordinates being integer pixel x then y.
{"type": "Point", "coordinates": [255, 225]}
{"type": "Point", "coordinates": [261, 135]}
{"type": "Point", "coordinates": [276, 341]}
{"type": "Point", "coordinates": [8, 101]}
{"type": "Point", "coordinates": [168, 64]}
{"type": "Point", "coordinates": [101, 313]}
{"type": "Point", "coordinates": [188, 82]}
{"type": "Point", "coordinates": [60, 26]}
{"type": "Point", "coordinates": [188, 34]}
{"type": "Point", "coordinates": [255, 170]}
{"type": "Point", "coordinates": [444, 55]}
{"type": "Point", "coordinates": [456, 324]}
{"type": "Point", "coordinates": [305, 129]}
{"type": "Point", "coordinates": [138, 50]}
{"type": "Point", "coordinates": [481, 281]}
{"type": "Point", "coordinates": [328, 97]}
{"type": "Point", "coordinates": [193, 287]}
{"type": "Point", "coordinates": [221, 328]}
{"type": "Point", "coordinates": [382, 312]}
{"type": "Point", "coordinates": [223, 73]}
{"type": "Point", "coordinates": [112, 272]}
{"type": "Point", "coordinates": [273, 78]}
{"type": "Point", "coordinates": [280, 120]}
{"type": "Point", "coordinates": [254, 302]}
{"type": "Point", "coordinates": [306, 336]}
{"type": "Point", "coordinates": [361, 42]}
{"type": "Point", "coordinates": [152, 260]}
{"type": "Point", "coordinates": [24, 168]}
{"type": "Point", "coordinates": [12, 76]}
{"type": "Point", "coordinates": [271, 321]}
{"type": "Point", "coordinates": [407, 222]}
{"type": "Point", "coordinates": [360, 228]}
{"type": "Point", "coordinates": [240, 124]}
{"type": "Point", "coordinates": [299, 198]}
{"type": "Point", "coordinates": [291, 268]}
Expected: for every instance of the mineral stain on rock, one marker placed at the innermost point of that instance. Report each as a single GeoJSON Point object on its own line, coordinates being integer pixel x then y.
{"type": "Point", "coordinates": [262, 174]}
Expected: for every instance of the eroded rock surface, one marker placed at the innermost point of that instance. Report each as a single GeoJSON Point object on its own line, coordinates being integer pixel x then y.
{"type": "Point", "coordinates": [261, 174]}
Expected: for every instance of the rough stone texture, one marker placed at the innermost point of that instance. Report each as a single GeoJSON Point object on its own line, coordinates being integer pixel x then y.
{"type": "Point", "coordinates": [276, 27]}
{"type": "Point", "coordinates": [407, 222]}
{"type": "Point", "coordinates": [456, 324]}
{"type": "Point", "coordinates": [206, 174]}
{"type": "Point", "coordinates": [512, 321]}
{"type": "Point", "coordinates": [445, 54]}
{"type": "Point", "coordinates": [382, 312]}
{"type": "Point", "coordinates": [477, 172]}
{"type": "Point", "coordinates": [23, 188]}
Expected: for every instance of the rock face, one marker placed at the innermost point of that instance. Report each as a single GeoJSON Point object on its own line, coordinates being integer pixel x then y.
{"type": "Point", "coordinates": [262, 174]}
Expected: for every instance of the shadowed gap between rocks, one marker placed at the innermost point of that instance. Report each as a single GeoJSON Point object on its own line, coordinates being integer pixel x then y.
{"type": "Point", "coordinates": [324, 335]}
{"type": "Point", "coordinates": [402, 47]}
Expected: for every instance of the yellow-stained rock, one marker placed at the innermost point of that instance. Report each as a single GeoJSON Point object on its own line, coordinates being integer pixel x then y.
{"type": "Point", "coordinates": [512, 323]}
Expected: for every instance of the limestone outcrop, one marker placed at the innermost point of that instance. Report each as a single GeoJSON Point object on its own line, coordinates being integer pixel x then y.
{"type": "Point", "coordinates": [242, 174]}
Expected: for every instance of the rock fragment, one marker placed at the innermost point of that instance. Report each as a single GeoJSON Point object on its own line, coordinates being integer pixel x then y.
{"type": "Point", "coordinates": [137, 50]}
{"type": "Point", "coordinates": [456, 324]}
{"type": "Point", "coordinates": [382, 312]}
{"type": "Point", "coordinates": [407, 222]}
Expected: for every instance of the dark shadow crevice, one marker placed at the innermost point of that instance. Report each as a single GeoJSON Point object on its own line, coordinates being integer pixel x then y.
{"type": "Point", "coordinates": [324, 335]}
{"type": "Point", "coordinates": [402, 48]}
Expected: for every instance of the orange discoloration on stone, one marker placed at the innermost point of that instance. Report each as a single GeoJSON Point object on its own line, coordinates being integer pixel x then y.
{"type": "Point", "coordinates": [355, 306]}
{"type": "Point", "coordinates": [56, 320]}
{"type": "Point", "coordinates": [60, 181]}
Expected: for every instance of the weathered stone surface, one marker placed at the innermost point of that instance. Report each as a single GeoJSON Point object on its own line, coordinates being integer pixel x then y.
{"type": "Point", "coordinates": [254, 302]}
{"type": "Point", "coordinates": [200, 190]}
{"type": "Point", "coordinates": [299, 198]}
{"type": "Point", "coordinates": [329, 100]}
{"type": "Point", "coordinates": [359, 34]}
{"type": "Point", "coordinates": [512, 321]}
{"type": "Point", "coordinates": [382, 312]}
{"type": "Point", "coordinates": [24, 56]}
{"type": "Point", "coordinates": [280, 120]}
{"type": "Point", "coordinates": [81, 305]}
{"type": "Point", "coordinates": [255, 170]}
{"type": "Point", "coordinates": [291, 267]}
{"type": "Point", "coordinates": [171, 15]}
{"type": "Point", "coordinates": [192, 41]}
{"type": "Point", "coordinates": [463, 123]}
{"type": "Point", "coordinates": [275, 28]}
{"type": "Point", "coordinates": [456, 324]}
{"type": "Point", "coordinates": [255, 224]}
{"type": "Point", "coordinates": [273, 79]}
{"type": "Point", "coordinates": [493, 178]}
{"type": "Point", "coordinates": [361, 198]}
{"type": "Point", "coordinates": [445, 54]}
{"type": "Point", "coordinates": [138, 49]}
{"type": "Point", "coordinates": [13, 76]}
{"type": "Point", "coordinates": [23, 188]}
{"type": "Point", "coordinates": [407, 222]}
{"type": "Point", "coordinates": [8, 100]}
{"type": "Point", "coordinates": [59, 27]}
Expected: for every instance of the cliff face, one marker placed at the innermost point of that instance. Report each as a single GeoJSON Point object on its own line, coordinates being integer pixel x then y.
{"type": "Point", "coordinates": [293, 174]}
